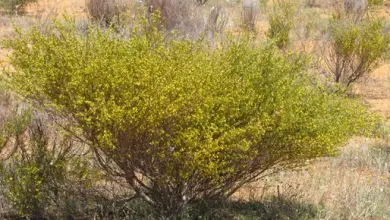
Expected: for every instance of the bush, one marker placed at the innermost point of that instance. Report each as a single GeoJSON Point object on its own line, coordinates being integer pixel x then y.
{"type": "Point", "coordinates": [180, 120]}
{"type": "Point", "coordinates": [46, 178]}
{"type": "Point", "coordinates": [10, 6]}
{"type": "Point", "coordinates": [107, 11]}
{"type": "Point", "coordinates": [311, 3]}
{"type": "Point", "coordinates": [217, 20]}
{"type": "Point", "coordinates": [184, 16]}
{"type": "Point", "coordinates": [250, 12]}
{"type": "Point", "coordinates": [355, 9]}
{"type": "Point", "coordinates": [354, 49]}
{"type": "Point", "coordinates": [281, 21]}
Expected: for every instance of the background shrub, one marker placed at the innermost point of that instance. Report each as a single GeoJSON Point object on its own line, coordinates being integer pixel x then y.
{"type": "Point", "coordinates": [354, 49]}
{"type": "Point", "coordinates": [250, 13]}
{"type": "Point", "coordinates": [281, 21]}
{"type": "Point", "coordinates": [217, 20]}
{"type": "Point", "coordinates": [177, 119]}
{"type": "Point", "coordinates": [355, 9]}
{"type": "Point", "coordinates": [16, 6]}
{"type": "Point", "coordinates": [186, 17]}
{"type": "Point", "coordinates": [47, 178]}
{"type": "Point", "coordinates": [107, 11]}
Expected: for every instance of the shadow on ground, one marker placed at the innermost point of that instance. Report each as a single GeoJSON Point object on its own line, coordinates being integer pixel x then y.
{"type": "Point", "coordinates": [274, 208]}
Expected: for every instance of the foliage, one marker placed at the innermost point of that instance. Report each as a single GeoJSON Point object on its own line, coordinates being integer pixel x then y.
{"type": "Point", "coordinates": [45, 178]}
{"type": "Point", "coordinates": [14, 5]}
{"type": "Point", "coordinates": [354, 49]}
{"type": "Point", "coordinates": [281, 20]}
{"type": "Point", "coordinates": [178, 119]}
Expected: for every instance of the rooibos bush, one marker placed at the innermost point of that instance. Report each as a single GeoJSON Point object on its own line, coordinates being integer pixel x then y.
{"type": "Point", "coordinates": [180, 120]}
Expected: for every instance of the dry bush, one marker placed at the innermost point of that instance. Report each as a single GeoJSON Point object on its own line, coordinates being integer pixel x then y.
{"type": "Point", "coordinates": [184, 16]}
{"type": "Point", "coordinates": [49, 175]}
{"type": "Point", "coordinates": [217, 20]}
{"type": "Point", "coordinates": [250, 12]}
{"type": "Point", "coordinates": [355, 9]}
{"type": "Point", "coordinates": [311, 3]}
{"type": "Point", "coordinates": [201, 2]}
{"type": "Point", "coordinates": [14, 6]}
{"type": "Point", "coordinates": [106, 11]}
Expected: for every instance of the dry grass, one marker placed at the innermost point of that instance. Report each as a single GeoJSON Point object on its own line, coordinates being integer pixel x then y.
{"type": "Point", "coordinates": [354, 185]}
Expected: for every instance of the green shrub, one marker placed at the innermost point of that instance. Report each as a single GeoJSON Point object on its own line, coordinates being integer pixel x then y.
{"type": "Point", "coordinates": [281, 21]}
{"type": "Point", "coordinates": [45, 178]}
{"type": "Point", "coordinates": [354, 49]}
{"type": "Point", "coordinates": [181, 120]}
{"type": "Point", "coordinates": [14, 5]}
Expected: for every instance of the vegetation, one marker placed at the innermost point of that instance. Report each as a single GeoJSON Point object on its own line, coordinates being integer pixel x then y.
{"type": "Point", "coordinates": [250, 13]}
{"type": "Point", "coordinates": [177, 118]}
{"type": "Point", "coordinates": [107, 12]}
{"type": "Point", "coordinates": [376, 2]}
{"type": "Point", "coordinates": [16, 6]}
{"type": "Point", "coordinates": [169, 109]}
{"type": "Point", "coordinates": [281, 21]}
{"type": "Point", "coordinates": [354, 49]}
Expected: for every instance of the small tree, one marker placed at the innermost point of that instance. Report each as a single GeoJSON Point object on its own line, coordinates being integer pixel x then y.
{"type": "Point", "coordinates": [178, 120]}
{"type": "Point", "coordinates": [353, 49]}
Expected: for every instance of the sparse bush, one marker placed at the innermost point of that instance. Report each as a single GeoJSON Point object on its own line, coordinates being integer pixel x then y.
{"type": "Point", "coordinates": [181, 121]}
{"type": "Point", "coordinates": [46, 178]}
{"type": "Point", "coordinates": [311, 3]}
{"type": "Point", "coordinates": [217, 20]}
{"type": "Point", "coordinates": [16, 6]}
{"type": "Point", "coordinates": [281, 20]}
{"type": "Point", "coordinates": [107, 11]}
{"type": "Point", "coordinates": [354, 49]}
{"type": "Point", "coordinates": [183, 16]}
{"type": "Point", "coordinates": [201, 2]}
{"type": "Point", "coordinates": [355, 9]}
{"type": "Point", "coordinates": [250, 12]}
